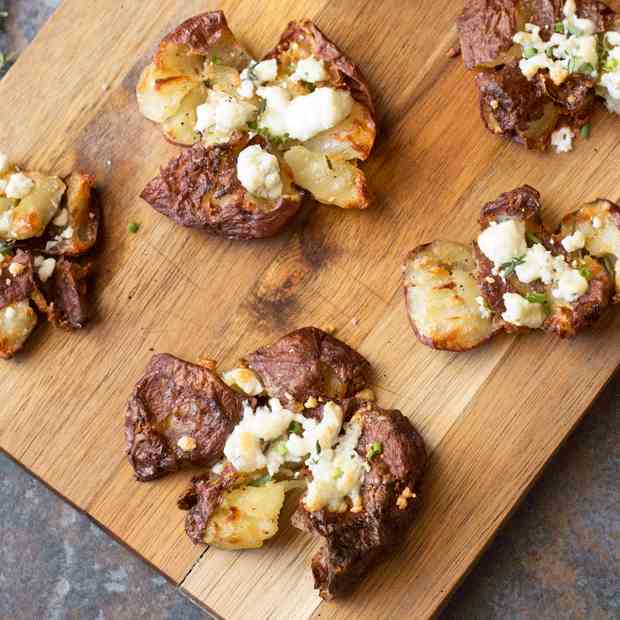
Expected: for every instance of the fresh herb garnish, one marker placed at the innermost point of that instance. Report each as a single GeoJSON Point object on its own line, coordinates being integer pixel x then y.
{"type": "Point", "coordinates": [251, 73]}
{"type": "Point", "coordinates": [260, 482]}
{"type": "Point", "coordinates": [610, 265]}
{"type": "Point", "coordinates": [611, 65]}
{"type": "Point", "coordinates": [536, 298]}
{"type": "Point", "coordinates": [318, 447]}
{"type": "Point", "coordinates": [5, 248]}
{"type": "Point", "coordinates": [550, 53]}
{"type": "Point", "coordinates": [309, 85]}
{"type": "Point", "coordinates": [530, 52]}
{"type": "Point", "coordinates": [559, 28]}
{"type": "Point", "coordinates": [337, 473]}
{"type": "Point", "coordinates": [532, 238]}
{"type": "Point", "coordinates": [574, 30]}
{"type": "Point", "coordinates": [262, 106]}
{"type": "Point", "coordinates": [585, 131]}
{"type": "Point", "coordinates": [133, 228]}
{"type": "Point", "coordinates": [585, 272]}
{"type": "Point", "coordinates": [329, 163]}
{"type": "Point", "coordinates": [207, 83]}
{"type": "Point", "coordinates": [295, 428]}
{"type": "Point", "coordinates": [586, 67]}
{"type": "Point", "coordinates": [375, 449]}
{"type": "Point", "coordinates": [508, 268]}
{"type": "Point", "coordinates": [216, 60]}
{"type": "Point", "coordinates": [282, 449]}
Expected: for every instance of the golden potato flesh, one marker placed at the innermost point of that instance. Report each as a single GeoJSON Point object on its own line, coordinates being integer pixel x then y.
{"type": "Point", "coordinates": [16, 323]}
{"type": "Point", "coordinates": [246, 517]}
{"type": "Point", "coordinates": [335, 182]}
{"type": "Point", "coordinates": [599, 221]}
{"type": "Point", "coordinates": [29, 217]}
{"type": "Point", "coordinates": [443, 297]}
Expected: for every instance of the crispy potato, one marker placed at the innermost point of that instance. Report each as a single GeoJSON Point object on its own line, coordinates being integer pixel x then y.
{"type": "Point", "coordinates": [16, 324]}
{"type": "Point", "coordinates": [200, 189]}
{"type": "Point", "coordinates": [309, 363]}
{"type": "Point", "coordinates": [442, 297]}
{"type": "Point", "coordinates": [602, 241]}
{"type": "Point", "coordinates": [29, 217]}
{"type": "Point", "coordinates": [563, 318]}
{"type": "Point", "coordinates": [76, 232]}
{"type": "Point", "coordinates": [178, 414]}
{"type": "Point", "coordinates": [335, 182]}
{"type": "Point", "coordinates": [355, 541]}
{"type": "Point", "coordinates": [201, 51]}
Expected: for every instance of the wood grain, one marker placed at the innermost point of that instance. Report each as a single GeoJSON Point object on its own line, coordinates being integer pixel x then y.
{"type": "Point", "coordinates": [492, 418]}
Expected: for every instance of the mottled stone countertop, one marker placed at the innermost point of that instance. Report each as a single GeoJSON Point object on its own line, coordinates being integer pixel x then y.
{"type": "Point", "coordinates": [557, 557]}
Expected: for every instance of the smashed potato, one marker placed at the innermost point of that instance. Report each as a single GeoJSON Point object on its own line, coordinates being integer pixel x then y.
{"type": "Point", "coordinates": [443, 298]}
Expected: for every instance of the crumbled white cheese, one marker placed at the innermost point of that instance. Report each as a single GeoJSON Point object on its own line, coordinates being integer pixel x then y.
{"type": "Point", "coordinates": [310, 69]}
{"type": "Point", "coordinates": [337, 473]}
{"type": "Point", "coordinates": [3, 186]}
{"type": "Point", "coordinates": [246, 89]}
{"type": "Point", "coordinates": [245, 379]}
{"type": "Point", "coordinates": [597, 222]}
{"type": "Point", "coordinates": [322, 109]}
{"type": "Point", "coordinates": [570, 285]}
{"type": "Point", "coordinates": [10, 313]}
{"type": "Point", "coordinates": [259, 172]}
{"type": "Point", "coordinates": [38, 260]}
{"type": "Point", "coordinates": [502, 242]}
{"type": "Point", "coordinates": [19, 186]}
{"type": "Point", "coordinates": [16, 268]}
{"type": "Point", "coordinates": [244, 447]}
{"type": "Point", "coordinates": [46, 269]}
{"type": "Point", "coordinates": [260, 72]}
{"type": "Point", "coordinates": [67, 233]}
{"type": "Point", "coordinates": [485, 313]}
{"type": "Point", "coordinates": [222, 114]}
{"type": "Point", "coordinates": [521, 312]}
{"type": "Point", "coordinates": [538, 264]}
{"type": "Point", "coordinates": [62, 219]}
{"type": "Point", "coordinates": [609, 85]}
{"type": "Point", "coordinates": [574, 242]}
{"type": "Point", "coordinates": [306, 116]}
{"type": "Point", "coordinates": [562, 140]}
{"type": "Point", "coordinates": [4, 163]}
{"type": "Point", "coordinates": [573, 50]}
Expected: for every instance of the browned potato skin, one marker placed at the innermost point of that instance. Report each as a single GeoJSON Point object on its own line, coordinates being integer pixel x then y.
{"type": "Point", "coordinates": [343, 72]}
{"type": "Point", "coordinates": [356, 541]}
{"type": "Point", "coordinates": [175, 399]}
{"type": "Point", "coordinates": [526, 112]}
{"type": "Point", "coordinates": [19, 287]}
{"type": "Point", "coordinates": [200, 189]}
{"type": "Point", "coordinates": [524, 204]}
{"type": "Point", "coordinates": [309, 363]}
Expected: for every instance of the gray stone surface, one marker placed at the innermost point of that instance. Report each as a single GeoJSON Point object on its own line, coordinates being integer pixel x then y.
{"type": "Point", "coordinates": [557, 557]}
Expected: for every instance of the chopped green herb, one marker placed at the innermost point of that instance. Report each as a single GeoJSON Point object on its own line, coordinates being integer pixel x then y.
{"type": "Point", "coordinates": [216, 60]}
{"type": "Point", "coordinates": [532, 238]}
{"type": "Point", "coordinates": [309, 85]}
{"type": "Point", "coordinates": [530, 52]}
{"type": "Point", "coordinates": [260, 482]}
{"type": "Point", "coordinates": [282, 449]}
{"type": "Point", "coordinates": [574, 30]}
{"type": "Point", "coordinates": [550, 52]}
{"type": "Point", "coordinates": [295, 428]}
{"type": "Point", "coordinates": [375, 449]}
{"type": "Point", "coordinates": [251, 73]}
{"type": "Point", "coordinates": [585, 272]}
{"type": "Point", "coordinates": [318, 447]}
{"type": "Point", "coordinates": [262, 106]}
{"type": "Point", "coordinates": [536, 298]}
{"type": "Point", "coordinates": [253, 125]}
{"type": "Point", "coordinates": [586, 67]}
{"type": "Point", "coordinates": [207, 83]}
{"type": "Point", "coordinates": [133, 228]}
{"type": "Point", "coordinates": [585, 131]}
{"type": "Point", "coordinates": [337, 473]}
{"type": "Point", "coordinates": [5, 248]}
{"type": "Point", "coordinates": [559, 28]}
{"type": "Point", "coordinates": [329, 163]}
{"type": "Point", "coordinates": [508, 268]}
{"type": "Point", "coordinates": [611, 65]}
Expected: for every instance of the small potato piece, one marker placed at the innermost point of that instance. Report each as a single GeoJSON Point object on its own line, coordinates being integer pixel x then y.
{"type": "Point", "coordinates": [441, 294]}
{"type": "Point", "coordinates": [337, 183]}
{"type": "Point", "coordinates": [16, 323]}
{"type": "Point", "coordinates": [179, 128]}
{"type": "Point", "coordinates": [246, 517]}
{"type": "Point", "coordinates": [31, 215]}
{"type": "Point", "coordinates": [599, 221]}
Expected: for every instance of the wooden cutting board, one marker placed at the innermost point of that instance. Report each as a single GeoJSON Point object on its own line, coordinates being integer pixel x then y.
{"type": "Point", "coordinates": [491, 418]}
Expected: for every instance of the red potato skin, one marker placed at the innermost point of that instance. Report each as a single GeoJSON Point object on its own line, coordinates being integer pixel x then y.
{"type": "Point", "coordinates": [200, 189]}
{"type": "Point", "coordinates": [19, 287]}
